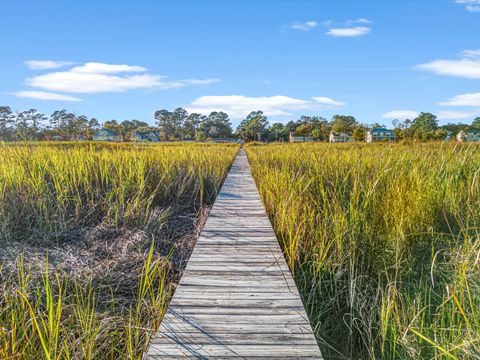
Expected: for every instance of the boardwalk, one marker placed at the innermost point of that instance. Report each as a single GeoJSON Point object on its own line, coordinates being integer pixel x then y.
{"type": "Point", "coordinates": [236, 297]}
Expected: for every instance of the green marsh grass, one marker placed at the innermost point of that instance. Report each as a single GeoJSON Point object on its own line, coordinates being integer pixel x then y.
{"type": "Point", "coordinates": [92, 238]}
{"type": "Point", "coordinates": [383, 241]}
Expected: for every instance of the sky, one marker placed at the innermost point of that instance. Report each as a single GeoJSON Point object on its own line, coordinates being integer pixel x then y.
{"type": "Point", "coordinates": [375, 60]}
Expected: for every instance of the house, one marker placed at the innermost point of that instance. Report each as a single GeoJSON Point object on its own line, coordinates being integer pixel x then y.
{"type": "Point", "coordinates": [295, 139]}
{"type": "Point", "coordinates": [469, 135]}
{"type": "Point", "coordinates": [106, 135]}
{"type": "Point", "coordinates": [149, 136]}
{"type": "Point", "coordinates": [380, 134]}
{"type": "Point", "coordinates": [339, 137]}
{"type": "Point", "coordinates": [225, 140]}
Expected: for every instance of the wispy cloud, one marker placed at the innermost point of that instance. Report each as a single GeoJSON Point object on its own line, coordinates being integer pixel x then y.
{"type": "Point", "coordinates": [101, 68]}
{"type": "Point", "coordinates": [457, 115]}
{"type": "Point", "coordinates": [349, 31]}
{"type": "Point", "coordinates": [470, 5]}
{"type": "Point", "coordinates": [46, 64]}
{"type": "Point", "coordinates": [357, 21]}
{"type": "Point", "coordinates": [239, 106]}
{"type": "Point", "coordinates": [200, 81]}
{"type": "Point", "coordinates": [43, 95]}
{"type": "Point", "coordinates": [304, 26]}
{"type": "Point", "coordinates": [467, 66]}
{"type": "Point", "coordinates": [469, 99]}
{"type": "Point", "coordinates": [328, 101]}
{"type": "Point", "coordinates": [400, 114]}
{"type": "Point", "coordinates": [94, 77]}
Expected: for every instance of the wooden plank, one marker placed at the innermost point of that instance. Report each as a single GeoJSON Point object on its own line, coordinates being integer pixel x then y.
{"type": "Point", "coordinates": [237, 297]}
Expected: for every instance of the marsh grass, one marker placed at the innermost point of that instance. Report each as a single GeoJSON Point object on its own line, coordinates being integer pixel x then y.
{"type": "Point", "coordinates": [383, 241]}
{"type": "Point", "coordinates": [92, 239]}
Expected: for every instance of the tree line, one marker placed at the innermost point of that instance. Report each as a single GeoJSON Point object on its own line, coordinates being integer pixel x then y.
{"type": "Point", "coordinates": [178, 124]}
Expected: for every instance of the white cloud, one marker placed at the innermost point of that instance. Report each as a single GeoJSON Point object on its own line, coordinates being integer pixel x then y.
{"type": "Point", "coordinates": [200, 81]}
{"type": "Point", "coordinates": [469, 99]}
{"type": "Point", "coordinates": [400, 114]}
{"type": "Point", "coordinates": [304, 26]}
{"type": "Point", "coordinates": [473, 54]}
{"type": "Point", "coordinates": [456, 115]}
{"type": "Point", "coordinates": [96, 77]}
{"type": "Point", "coordinates": [43, 95]}
{"type": "Point", "coordinates": [73, 82]}
{"type": "Point", "coordinates": [358, 21]}
{"type": "Point", "coordinates": [470, 5]}
{"type": "Point", "coordinates": [327, 101]}
{"type": "Point", "coordinates": [100, 68]}
{"type": "Point", "coordinates": [46, 64]}
{"type": "Point", "coordinates": [349, 32]}
{"type": "Point", "coordinates": [468, 66]}
{"type": "Point", "coordinates": [239, 106]}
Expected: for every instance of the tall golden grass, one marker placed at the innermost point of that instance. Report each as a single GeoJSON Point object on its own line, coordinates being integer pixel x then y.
{"type": "Point", "coordinates": [383, 241]}
{"type": "Point", "coordinates": [51, 195]}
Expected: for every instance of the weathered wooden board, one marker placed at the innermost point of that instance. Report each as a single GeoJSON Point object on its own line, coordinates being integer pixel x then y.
{"type": "Point", "coordinates": [236, 298]}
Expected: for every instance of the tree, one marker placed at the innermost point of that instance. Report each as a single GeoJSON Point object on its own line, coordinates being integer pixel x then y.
{"type": "Point", "coordinates": [28, 124]}
{"type": "Point", "coordinates": [476, 123]}
{"type": "Point", "coordinates": [343, 123]}
{"type": "Point", "coordinates": [191, 124]}
{"type": "Point", "coordinates": [93, 124]}
{"type": "Point", "coordinates": [217, 125]}
{"type": "Point", "coordinates": [253, 126]}
{"type": "Point", "coordinates": [424, 126]}
{"type": "Point", "coordinates": [165, 122]}
{"type": "Point", "coordinates": [6, 120]}
{"type": "Point", "coordinates": [358, 134]}
{"type": "Point", "coordinates": [277, 132]}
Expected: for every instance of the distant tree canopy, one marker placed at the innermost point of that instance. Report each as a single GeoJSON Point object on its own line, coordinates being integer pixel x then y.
{"type": "Point", "coordinates": [253, 126]}
{"type": "Point", "coordinates": [178, 124]}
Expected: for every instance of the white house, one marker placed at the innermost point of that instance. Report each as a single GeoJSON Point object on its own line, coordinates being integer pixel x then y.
{"type": "Point", "coordinates": [106, 135]}
{"type": "Point", "coordinates": [295, 139]}
{"type": "Point", "coordinates": [469, 135]}
{"type": "Point", "coordinates": [339, 137]}
{"type": "Point", "coordinates": [379, 134]}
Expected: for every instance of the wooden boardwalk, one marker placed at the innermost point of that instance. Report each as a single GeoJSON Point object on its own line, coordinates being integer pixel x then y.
{"type": "Point", "coordinates": [236, 298]}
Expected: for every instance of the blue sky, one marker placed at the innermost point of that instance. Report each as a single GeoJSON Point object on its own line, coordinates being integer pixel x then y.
{"type": "Point", "coordinates": [376, 60]}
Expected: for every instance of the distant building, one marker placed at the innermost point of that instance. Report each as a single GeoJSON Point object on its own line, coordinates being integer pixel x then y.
{"type": "Point", "coordinates": [469, 135]}
{"type": "Point", "coordinates": [296, 138]}
{"type": "Point", "coordinates": [449, 136]}
{"type": "Point", "coordinates": [339, 137]}
{"type": "Point", "coordinates": [106, 135]}
{"type": "Point", "coordinates": [146, 136]}
{"type": "Point", "coordinates": [227, 140]}
{"type": "Point", "coordinates": [380, 134]}
{"type": "Point", "coordinates": [69, 137]}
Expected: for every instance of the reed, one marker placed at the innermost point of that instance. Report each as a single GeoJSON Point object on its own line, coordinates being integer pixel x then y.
{"type": "Point", "coordinates": [383, 241]}
{"type": "Point", "coordinates": [92, 237]}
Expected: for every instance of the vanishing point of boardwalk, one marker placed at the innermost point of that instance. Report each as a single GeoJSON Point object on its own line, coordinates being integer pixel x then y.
{"type": "Point", "coordinates": [236, 297]}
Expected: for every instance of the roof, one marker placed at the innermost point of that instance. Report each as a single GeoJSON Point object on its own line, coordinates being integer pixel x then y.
{"type": "Point", "coordinates": [381, 130]}
{"type": "Point", "coordinates": [109, 131]}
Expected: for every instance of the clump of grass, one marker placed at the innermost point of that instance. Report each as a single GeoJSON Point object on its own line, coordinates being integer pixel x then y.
{"type": "Point", "coordinates": [384, 243]}
{"type": "Point", "coordinates": [92, 238]}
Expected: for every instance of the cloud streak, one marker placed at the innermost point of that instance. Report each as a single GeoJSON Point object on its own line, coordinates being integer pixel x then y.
{"type": "Point", "coordinates": [46, 64]}
{"type": "Point", "coordinates": [400, 114]}
{"type": "Point", "coordinates": [304, 26]}
{"type": "Point", "coordinates": [349, 31]}
{"type": "Point", "coordinates": [456, 115]}
{"type": "Point", "coordinates": [467, 66]}
{"type": "Point", "coordinates": [239, 106]}
{"type": "Point", "coordinates": [43, 95]}
{"type": "Point", "coordinates": [94, 78]}
{"type": "Point", "coordinates": [470, 5]}
{"type": "Point", "coordinates": [469, 99]}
